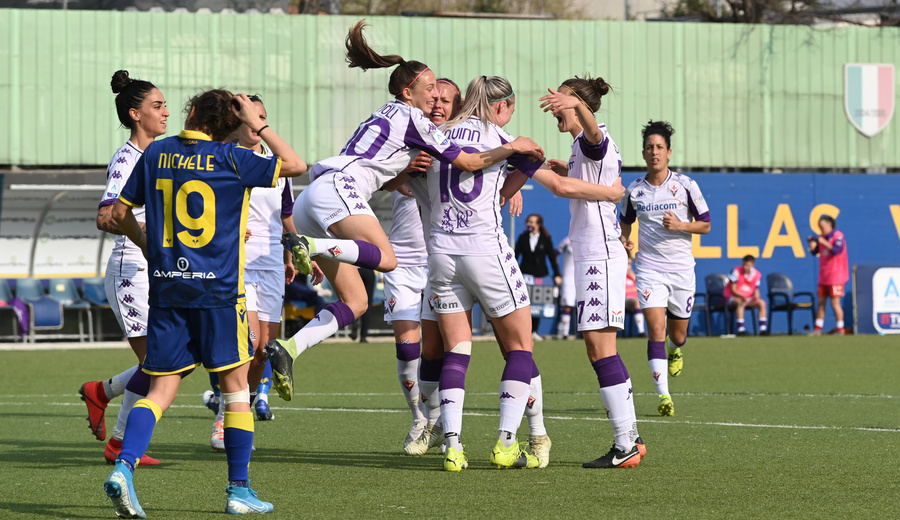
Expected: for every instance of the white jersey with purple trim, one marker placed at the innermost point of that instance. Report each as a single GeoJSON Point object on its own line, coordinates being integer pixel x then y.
{"type": "Point", "coordinates": [263, 250]}
{"type": "Point", "coordinates": [660, 248]}
{"type": "Point", "coordinates": [407, 237]}
{"type": "Point", "coordinates": [126, 258]}
{"type": "Point", "coordinates": [384, 145]}
{"type": "Point", "coordinates": [594, 229]}
{"type": "Point", "coordinates": [465, 209]}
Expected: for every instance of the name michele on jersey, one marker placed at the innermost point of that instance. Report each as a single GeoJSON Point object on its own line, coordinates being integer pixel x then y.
{"type": "Point", "coordinates": [665, 206]}
{"type": "Point", "coordinates": [186, 162]}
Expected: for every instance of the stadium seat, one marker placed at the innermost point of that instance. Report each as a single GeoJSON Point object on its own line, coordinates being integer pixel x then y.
{"type": "Point", "coordinates": [6, 308]}
{"type": "Point", "coordinates": [95, 292]}
{"type": "Point", "coordinates": [699, 306]}
{"type": "Point", "coordinates": [64, 290]}
{"type": "Point", "coordinates": [782, 298]}
{"type": "Point", "coordinates": [45, 312]}
{"type": "Point", "coordinates": [715, 298]}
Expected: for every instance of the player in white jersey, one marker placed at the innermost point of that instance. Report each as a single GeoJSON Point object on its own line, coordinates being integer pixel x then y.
{"type": "Point", "coordinates": [334, 208]}
{"type": "Point", "coordinates": [567, 288]}
{"type": "Point", "coordinates": [669, 208]}
{"type": "Point", "coordinates": [141, 108]}
{"type": "Point", "coordinates": [599, 256]}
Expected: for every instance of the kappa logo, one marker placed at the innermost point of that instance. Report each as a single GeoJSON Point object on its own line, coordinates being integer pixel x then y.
{"type": "Point", "coordinates": [640, 193]}
{"type": "Point", "coordinates": [531, 401]}
{"type": "Point", "coordinates": [353, 195]}
{"type": "Point", "coordinates": [508, 257]}
{"type": "Point", "coordinates": [348, 186]}
{"type": "Point", "coordinates": [347, 179]}
{"type": "Point", "coordinates": [391, 303]}
{"type": "Point", "coordinates": [656, 375]}
{"type": "Point", "coordinates": [136, 327]}
{"type": "Point", "coordinates": [116, 175]}
{"type": "Point", "coordinates": [128, 299]}
{"type": "Point", "coordinates": [121, 160]}
{"type": "Point", "coordinates": [523, 298]}
{"type": "Point", "coordinates": [673, 188]}
{"type": "Point", "coordinates": [133, 313]}
{"type": "Point", "coordinates": [506, 395]}
{"type": "Point", "coordinates": [594, 317]}
{"type": "Point", "coordinates": [513, 270]}
{"type": "Point", "coordinates": [408, 384]}
{"type": "Point", "coordinates": [592, 271]}
{"type": "Point", "coordinates": [360, 205]}
{"type": "Point", "coordinates": [630, 391]}
{"type": "Point", "coordinates": [593, 286]}
{"type": "Point", "coordinates": [518, 284]}
{"type": "Point", "coordinates": [335, 251]}
{"type": "Point", "coordinates": [446, 401]}
{"type": "Point", "coordinates": [646, 294]}
{"type": "Point", "coordinates": [593, 302]}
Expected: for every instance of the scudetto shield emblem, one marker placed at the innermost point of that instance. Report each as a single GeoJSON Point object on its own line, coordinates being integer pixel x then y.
{"type": "Point", "coordinates": [869, 96]}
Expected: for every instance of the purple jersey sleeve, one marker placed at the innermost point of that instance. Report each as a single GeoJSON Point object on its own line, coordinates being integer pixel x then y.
{"type": "Point", "coordinates": [838, 245]}
{"type": "Point", "coordinates": [524, 164]}
{"type": "Point", "coordinates": [287, 198]}
{"type": "Point", "coordinates": [422, 134]}
{"type": "Point", "coordinates": [627, 214]}
{"type": "Point", "coordinates": [594, 152]}
{"type": "Point", "coordinates": [696, 203]}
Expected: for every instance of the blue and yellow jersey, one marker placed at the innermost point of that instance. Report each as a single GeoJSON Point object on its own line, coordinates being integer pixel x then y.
{"type": "Point", "coordinates": [195, 192]}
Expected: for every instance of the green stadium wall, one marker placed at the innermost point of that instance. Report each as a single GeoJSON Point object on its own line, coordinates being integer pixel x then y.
{"type": "Point", "coordinates": [739, 96]}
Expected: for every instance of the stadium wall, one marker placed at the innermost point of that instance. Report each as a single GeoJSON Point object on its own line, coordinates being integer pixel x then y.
{"type": "Point", "coordinates": [740, 96]}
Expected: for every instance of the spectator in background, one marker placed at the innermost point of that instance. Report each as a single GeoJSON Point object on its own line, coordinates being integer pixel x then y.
{"type": "Point", "coordinates": [831, 249]}
{"type": "Point", "coordinates": [567, 289]}
{"type": "Point", "coordinates": [632, 305]}
{"type": "Point", "coordinates": [533, 248]}
{"type": "Point", "coordinates": [743, 292]}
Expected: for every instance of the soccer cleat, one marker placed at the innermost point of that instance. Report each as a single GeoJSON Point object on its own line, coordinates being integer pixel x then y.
{"type": "Point", "coordinates": [674, 358]}
{"type": "Point", "coordinates": [217, 439]}
{"type": "Point", "coordinates": [263, 413]}
{"type": "Point", "coordinates": [120, 490]}
{"type": "Point", "coordinates": [209, 400]}
{"type": "Point", "coordinates": [836, 331]}
{"type": "Point", "coordinates": [539, 446]}
{"type": "Point", "coordinates": [244, 501]}
{"type": "Point", "coordinates": [114, 447]}
{"type": "Point", "coordinates": [282, 367]}
{"type": "Point", "coordinates": [513, 457]}
{"type": "Point", "coordinates": [298, 245]}
{"type": "Point", "coordinates": [742, 332]}
{"type": "Point", "coordinates": [455, 460]}
{"type": "Point", "coordinates": [639, 442]}
{"type": "Point", "coordinates": [666, 407]}
{"type": "Point", "coordinates": [764, 332]}
{"type": "Point", "coordinates": [816, 332]}
{"type": "Point", "coordinates": [95, 398]}
{"type": "Point", "coordinates": [616, 458]}
{"type": "Point", "coordinates": [415, 432]}
{"type": "Point", "coordinates": [431, 436]}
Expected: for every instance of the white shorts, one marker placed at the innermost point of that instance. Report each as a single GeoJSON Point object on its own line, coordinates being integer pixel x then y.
{"type": "Point", "coordinates": [601, 293]}
{"type": "Point", "coordinates": [428, 313]}
{"type": "Point", "coordinates": [672, 290]}
{"type": "Point", "coordinates": [403, 290]}
{"type": "Point", "coordinates": [129, 299]}
{"type": "Point", "coordinates": [567, 291]}
{"type": "Point", "coordinates": [265, 293]}
{"type": "Point", "coordinates": [327, 200]}
{"type": "Point", "coordinates": [495, 281]}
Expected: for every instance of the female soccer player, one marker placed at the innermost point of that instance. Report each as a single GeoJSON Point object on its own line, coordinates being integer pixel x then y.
{"type": "Point", "coordinates": [196, 211]}
{"type": "Point", "coordinates": [831, 248]}
{"type": "Point", "coordinates": [406, 294]}
{"type": "Point", "coordinates": [335, 205]}
{"type": "Point", "coordinates": [600, 258]}
{"type": "Point", "coordinates": [141, 108]}
{"type": "Point", "coordinates": [670, 208]}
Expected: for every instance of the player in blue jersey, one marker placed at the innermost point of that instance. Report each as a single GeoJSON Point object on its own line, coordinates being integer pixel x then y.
{"type": "Point", "coordinates": [335, 210]}
{"type": "Point", "coordinates": [670, 209]}
{"type": "Point", "coordinates": [195, 190]}
{"type": "Point", "coordinates": [141, 108]}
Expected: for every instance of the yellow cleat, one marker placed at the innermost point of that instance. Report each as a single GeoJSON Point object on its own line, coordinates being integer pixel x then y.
{"type": "Point", "coordinates": [513, 457]}
{"type": "Point", "coordinates": [455, 460]}
{"type": "Point", "coordinates": [666, 407]}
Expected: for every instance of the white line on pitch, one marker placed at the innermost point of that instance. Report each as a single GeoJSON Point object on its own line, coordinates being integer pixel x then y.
{"type": "Point", "coordinates": [554, 417]}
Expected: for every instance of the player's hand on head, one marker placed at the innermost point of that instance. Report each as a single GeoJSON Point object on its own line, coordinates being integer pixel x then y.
{"type": "Point", "coordinates": [559, 167]}
{"type": "Point", "coordinates": [243, 108]}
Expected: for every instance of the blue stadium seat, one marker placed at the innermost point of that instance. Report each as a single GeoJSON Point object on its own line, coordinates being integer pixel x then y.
{"type": "Point", "coordinates": [6, 297]}
{"type": "Point", "coordinates": [782, 298]}
{"type": "Point", "coordinates": [715, 298]}
{"type": "Point", "coordinates": [64, 290]}
{"type": "Point", "coordinates": [45, 312]}
{"type": "Point", "coordinates": [95, 292]}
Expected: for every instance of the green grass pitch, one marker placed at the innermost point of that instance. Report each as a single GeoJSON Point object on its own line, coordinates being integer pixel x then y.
{"type": "Point", "coordinates": [778, 427]}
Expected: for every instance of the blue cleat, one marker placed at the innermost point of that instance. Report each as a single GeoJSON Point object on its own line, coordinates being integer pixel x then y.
{"type": "Point", "coordinates": [243, 501]}
{"type": "Point", "coordinates": [263, 413]}
{"type": "Point", "coordinates": [120, 490]}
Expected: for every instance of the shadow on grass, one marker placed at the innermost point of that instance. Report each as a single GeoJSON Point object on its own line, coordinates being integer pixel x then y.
{"type": "Point", "coordinates": [52, 510]}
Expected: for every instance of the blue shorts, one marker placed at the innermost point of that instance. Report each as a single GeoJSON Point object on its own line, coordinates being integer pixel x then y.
{"type": "Point", "coordinates": [179, 339]}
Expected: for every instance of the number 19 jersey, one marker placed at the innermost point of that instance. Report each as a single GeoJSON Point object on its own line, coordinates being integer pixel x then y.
{"type": "Point", "coordinates": [465, 209]}
{"type": "Point", "coordinates": [196, 193]}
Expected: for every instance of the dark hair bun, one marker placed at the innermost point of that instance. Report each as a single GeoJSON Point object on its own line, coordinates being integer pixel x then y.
{"type": "Point", "coordinates": [120, 80]}
{"type": "Point", "coordinates": [601, 86]}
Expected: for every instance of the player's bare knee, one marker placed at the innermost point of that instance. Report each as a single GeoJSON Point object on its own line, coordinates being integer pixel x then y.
{"type": "Point", "coordinates": [388, 261]}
